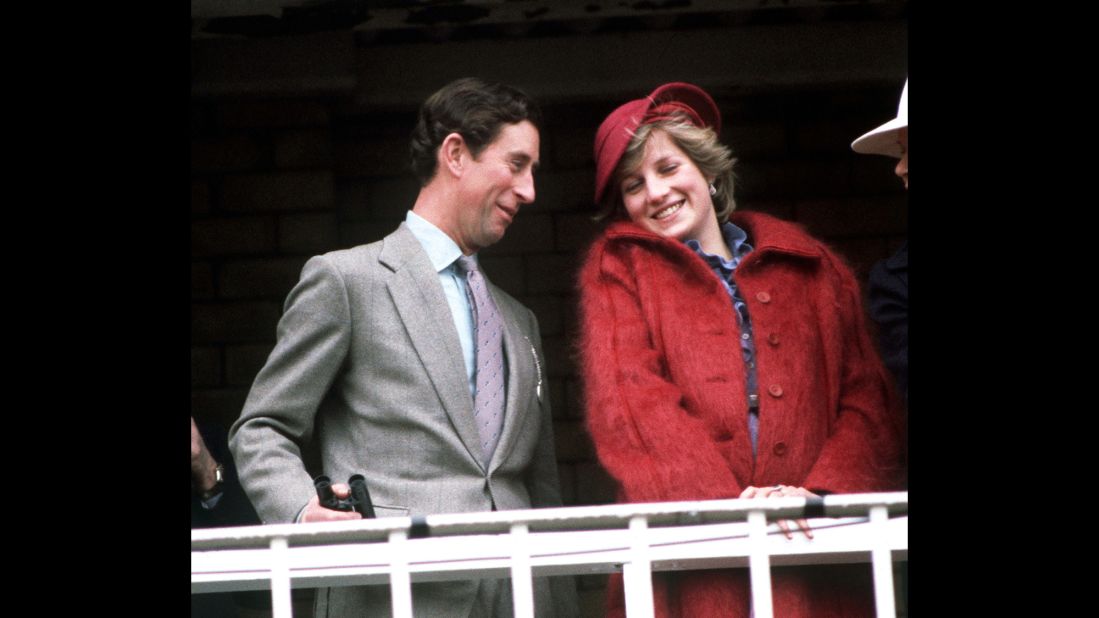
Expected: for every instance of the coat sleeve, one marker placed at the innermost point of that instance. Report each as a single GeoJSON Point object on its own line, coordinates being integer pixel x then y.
{"type": "Point", "coordinates": [643, 436]}
{"type": "Point", "coordinates": [313, 339]}
{"type": "Point", "coordinates": [889, 308]}
{"type": "Point", "coordinates": [864, 448]}
{"type": "Point", "coordinates": [543, 483]}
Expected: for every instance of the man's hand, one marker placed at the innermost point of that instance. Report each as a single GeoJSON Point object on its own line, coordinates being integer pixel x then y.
{"type": "Point", "coordinates": [315, 512]}
{"type": "Point", "coordinates": [782, 491]}
{"type": "Point", "coordinates": [203, 466]}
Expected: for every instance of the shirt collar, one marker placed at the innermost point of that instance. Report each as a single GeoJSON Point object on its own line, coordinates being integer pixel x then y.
{"type": "Point", "coordinates": [441, 249]}
{"type": "Point", "coordinates": [735, 238]}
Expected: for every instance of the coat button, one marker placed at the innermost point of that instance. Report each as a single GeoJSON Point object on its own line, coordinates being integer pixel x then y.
{"type": "Point", "coordinates": [772, 339]}
{"type": "Point", "coordinates": [779, 449]}
{"type": "Point", "coordinates": [763, 297]}
{"type": "Point", "coordinates": [775, 390]}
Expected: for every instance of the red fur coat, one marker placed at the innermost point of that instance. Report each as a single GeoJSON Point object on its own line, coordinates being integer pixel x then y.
{"type": "Point", "coordinates": [667, 407]}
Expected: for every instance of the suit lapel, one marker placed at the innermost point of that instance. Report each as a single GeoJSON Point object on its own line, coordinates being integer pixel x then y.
{"type": "Point", "coordinates": [422, 308]}
{"type": "Point", "coordinates": [522, 379]}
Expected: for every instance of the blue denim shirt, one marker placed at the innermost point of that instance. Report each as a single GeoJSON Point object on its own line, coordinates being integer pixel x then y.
{"type": "Point", "coordinates": [737, 241]}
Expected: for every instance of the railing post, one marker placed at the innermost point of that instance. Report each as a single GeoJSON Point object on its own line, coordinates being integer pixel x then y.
{"type": "Point", "coordinates": [882, 558]}
{"type": "Point", "coordinates": [637, 574]}
{"type": "Point", "coordinates": [280, 579]}
{"type": "Point", "coordinates": [522, 586]}
{"type": "Point", "coordinates": [400, 581]}
{"type": "Point", "coordinates": [759, 564]}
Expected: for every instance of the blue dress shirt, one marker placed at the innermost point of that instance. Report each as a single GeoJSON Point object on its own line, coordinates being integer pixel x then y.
{"type": "Point", "coordinates": [443, 252]}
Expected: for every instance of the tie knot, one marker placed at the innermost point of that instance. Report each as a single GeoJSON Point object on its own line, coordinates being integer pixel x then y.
{"type": "Point", "coordinates": [466, 264]}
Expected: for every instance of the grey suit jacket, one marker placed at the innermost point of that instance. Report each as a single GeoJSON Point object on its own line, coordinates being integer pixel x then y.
{"type": "Point", "coordinates": [368, 367]}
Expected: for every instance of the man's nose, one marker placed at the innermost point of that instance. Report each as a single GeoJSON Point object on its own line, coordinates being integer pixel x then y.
{"type": "Point", "coordinates": [525, 188]}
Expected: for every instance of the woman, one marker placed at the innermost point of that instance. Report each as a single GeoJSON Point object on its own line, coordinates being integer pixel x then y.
{"type": "Point", "coordinates": [723, 356]}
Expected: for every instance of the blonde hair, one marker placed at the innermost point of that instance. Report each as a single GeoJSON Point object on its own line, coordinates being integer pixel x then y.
{"type": "Point", "coordinates": [712, 158]}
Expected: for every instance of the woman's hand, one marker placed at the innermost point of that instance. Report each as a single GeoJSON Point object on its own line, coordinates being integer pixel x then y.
{"type": "Point", "coordinates": [782, 491]}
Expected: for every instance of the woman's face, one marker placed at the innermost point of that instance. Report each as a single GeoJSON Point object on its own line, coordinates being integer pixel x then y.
{"type": "Point", "coordinates": [668, 194]}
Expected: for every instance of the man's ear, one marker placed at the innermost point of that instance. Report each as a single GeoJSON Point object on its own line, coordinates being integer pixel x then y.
{"type": "Point", "coordinates": [453, 154]}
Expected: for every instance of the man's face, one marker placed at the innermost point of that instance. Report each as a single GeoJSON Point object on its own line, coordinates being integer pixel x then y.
{"type": "Point", "coordinates": [902, 166]}
{"type": "Point", "coordinates": [494, 186]}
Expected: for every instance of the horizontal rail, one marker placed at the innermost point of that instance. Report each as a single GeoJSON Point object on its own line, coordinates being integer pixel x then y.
{"type": "Point", "coordinates": [576, 540]}
{"type": "Point", "coordinates": [615, 516]}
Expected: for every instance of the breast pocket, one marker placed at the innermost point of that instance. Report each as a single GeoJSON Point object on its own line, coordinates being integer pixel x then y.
{"type": "Point", "coordinates": [384, 510]}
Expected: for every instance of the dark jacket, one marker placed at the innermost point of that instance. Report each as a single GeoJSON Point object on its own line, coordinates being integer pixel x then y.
{"type": "Point", "coordinates": [889, 309]}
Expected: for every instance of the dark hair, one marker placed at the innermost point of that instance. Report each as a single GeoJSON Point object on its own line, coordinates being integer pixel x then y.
{"type": "Point", "coordinates": [473, 108]}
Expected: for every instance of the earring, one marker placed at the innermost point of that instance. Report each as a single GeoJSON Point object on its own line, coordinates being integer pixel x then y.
{"type": "Point", "coordinates": [713, 190]}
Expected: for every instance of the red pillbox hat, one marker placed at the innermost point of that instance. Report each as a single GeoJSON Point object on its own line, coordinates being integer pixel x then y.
{"type": "Point", "coordinates": [614, 134]}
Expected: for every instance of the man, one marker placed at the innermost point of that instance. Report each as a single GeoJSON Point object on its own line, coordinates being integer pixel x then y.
{"type": "Point", "coordinates": [216, 496]}
{"type": "Point", "coordinates": [390, 358]}
{"type": "Point", "coordinates": [218, 500]}
{"type": "Point", "coordinates": [889, 278]}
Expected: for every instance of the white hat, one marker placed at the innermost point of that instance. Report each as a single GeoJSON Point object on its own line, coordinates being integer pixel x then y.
{"type": "Point", "coordinates": [883, 140]}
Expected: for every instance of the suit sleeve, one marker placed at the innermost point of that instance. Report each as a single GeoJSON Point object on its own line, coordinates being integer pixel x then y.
{"type": "Point", "coordinates": [543, 483]}
{"type": "Point", "coordinates": [643, 436]}
{"type": "Point", "coordinates": [863, 451]}
{"type": "Point", "coordinates": [313, 339]}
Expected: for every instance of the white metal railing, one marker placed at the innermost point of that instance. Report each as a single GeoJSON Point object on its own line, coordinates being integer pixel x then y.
{"type": "Point", "coordinates": [635, 539]}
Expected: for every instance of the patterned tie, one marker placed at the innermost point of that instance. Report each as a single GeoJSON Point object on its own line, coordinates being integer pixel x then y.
{"type": "Point", "coordinates": [489, 400]}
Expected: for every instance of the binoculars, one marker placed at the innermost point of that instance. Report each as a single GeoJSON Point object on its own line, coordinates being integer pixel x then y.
{"type": "Point", "coordinates": [359, 500]}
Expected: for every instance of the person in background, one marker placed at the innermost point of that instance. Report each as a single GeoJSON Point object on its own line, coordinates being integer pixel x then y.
{"type": "Point", "coordinates": [218, 500]}
{"type": "Point", "coordinates": [724, 354]}
{"type": "Point", "coordinates": [888, 289]}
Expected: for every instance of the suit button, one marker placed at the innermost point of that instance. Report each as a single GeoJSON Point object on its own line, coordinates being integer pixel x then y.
{"type": "Point", "coordinates": [772, 339]}
{"type": "Point", "coordinates": [779, 449]}
{"type": "Point", "coordinates": [775, 390]}
{"type": "Point", "coordinates": [763, 297]}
